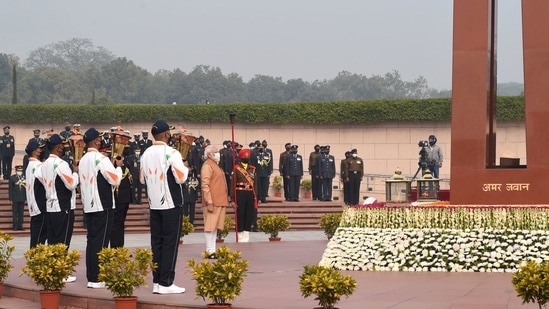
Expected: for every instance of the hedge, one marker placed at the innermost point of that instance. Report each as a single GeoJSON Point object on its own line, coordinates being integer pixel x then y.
{"type": "Point", "coordinates": [341, 112]}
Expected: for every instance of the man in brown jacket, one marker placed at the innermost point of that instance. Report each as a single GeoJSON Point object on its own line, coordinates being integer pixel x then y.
{"type": "Point", "coordinates": [215, 197]}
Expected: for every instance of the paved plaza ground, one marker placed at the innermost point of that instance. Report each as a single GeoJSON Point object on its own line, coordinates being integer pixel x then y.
{"type": "Point", "coordinates": [273, 276]}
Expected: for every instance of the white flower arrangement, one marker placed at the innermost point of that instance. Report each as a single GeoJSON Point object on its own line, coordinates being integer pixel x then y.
{"type": "Point", "coordinates": [454, 217]}
{"type": "Point", "coordinates": [471, 239]}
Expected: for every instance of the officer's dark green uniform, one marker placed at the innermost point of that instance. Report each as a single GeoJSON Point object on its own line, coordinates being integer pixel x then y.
{"type": "Point", "coordinates": [17, 196]}
{"type": "Point", "coordinates": [7, 151]}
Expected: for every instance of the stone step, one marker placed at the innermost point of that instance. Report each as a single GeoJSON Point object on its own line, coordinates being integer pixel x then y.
{"type": "Point", "coordinates": [303, 215]}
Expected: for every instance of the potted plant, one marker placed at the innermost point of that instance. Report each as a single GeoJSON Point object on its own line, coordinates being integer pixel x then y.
{"type": "Point", "coordinates": [228, 224]}
{"type": "Point", "coordinates": [186, 228]}
{"type": "Point", "coordinates": [277, 185]}
{"type": "Point", "coordinates": [531, 282]}
{"type": "Point", "coordinates": [48, 266]}
{"type": "Point", "coordinates": [328, 284]}
{"type": "Point", "coordinates": [123, 272]}
{"type": "Point", "coordinates": [6, 255]}
{"type": "Point", "coordinates": [220, 280]}
{"type": "Point", "coordinates": [272, 225]}
{"type": "Point", "coordinates": [330, 222]}
{"type": "Point", "coordinates": [307, 185]}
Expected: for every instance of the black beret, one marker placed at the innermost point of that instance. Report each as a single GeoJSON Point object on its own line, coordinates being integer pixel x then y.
{"type": "Point", "coordinates": [91, 134]}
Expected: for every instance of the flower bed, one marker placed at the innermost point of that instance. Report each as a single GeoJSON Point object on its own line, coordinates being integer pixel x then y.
{"type": "Point", "coordinates": [482, 239]}
{"type": "Point", "coordinates": [451, 217]}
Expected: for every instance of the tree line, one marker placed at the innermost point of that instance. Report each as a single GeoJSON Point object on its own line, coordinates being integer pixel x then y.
{"type": "Point", "coordinates": [76, 71]}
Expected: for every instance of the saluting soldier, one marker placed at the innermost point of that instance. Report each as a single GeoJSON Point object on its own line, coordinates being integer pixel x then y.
{"type": "Point", "coordinates": [325, 164]}
{"type": "Point", "coordinates": [354, 172]}
{"type": "Point", "coordinates": [293, 171]}
{"type": "Point", "coordinates": [7, 151]}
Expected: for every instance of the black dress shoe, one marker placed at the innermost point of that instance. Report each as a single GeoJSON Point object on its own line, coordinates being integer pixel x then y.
{"type": "Point", "coordinates": [263, 201]}
{"type": "Point", "coordinates": [212, 256]}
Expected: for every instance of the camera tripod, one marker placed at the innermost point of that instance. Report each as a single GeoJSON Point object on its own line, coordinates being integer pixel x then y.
{"type": "Point", "coordinates": [422, 167]}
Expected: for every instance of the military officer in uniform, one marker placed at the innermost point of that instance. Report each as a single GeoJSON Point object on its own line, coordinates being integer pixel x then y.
{"type": "Point", "coordinates": [135, 142]}
{"type": "Point", "coordinates": [270, 152]}
{"type": "Point", "coordinates": [106, 141]}
{"type": "Point", "coordinates": [134, 165]}
{"type": "Point", "coordinates": [354, 172]}
{"type": "Point", "coordinates": [343, 177]}
{"type": "Point", "coordinates": [36, 136]}
{"type": "Point", "coordinates": [7, 151]}
{"type": "Point", "coordinates": [325, 165]}
{"type": "Point", "coordinates": [263, 163]}
{"type": "Point", "coordinates": [265, 149]}
{"type": "Point", "coordinates": [67, 133]}
{"type": "Point", "coordinates": [246, 198]}
{"type": "Point", "coordinates": [38, 140]}
{"type": "Point", "coordinates": [312, 171]}
{"type": "Point", "coordinates": [281, 169]}
{"type": "Point", "coordinates": [293, 172]}
{"type": "Point", "coordinates": [18, 196]}
{"type": "Point", "coordinates": [226, 161]}
{"type": "Point", "coordinates": [145, 142]}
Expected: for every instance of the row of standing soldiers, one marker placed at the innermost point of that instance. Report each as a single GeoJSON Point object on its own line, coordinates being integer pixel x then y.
{"type": "Point", "coordinates": [322, 171]}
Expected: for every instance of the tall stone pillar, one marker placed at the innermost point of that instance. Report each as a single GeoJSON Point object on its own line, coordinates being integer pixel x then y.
{"type": "Point", "coordinates": [476, 176]}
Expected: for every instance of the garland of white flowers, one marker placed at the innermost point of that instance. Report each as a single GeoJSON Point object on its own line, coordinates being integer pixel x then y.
{"type": "Point", "coordinates": [481, 239]}
{"type": "Point", "coordinates": [469, 217]}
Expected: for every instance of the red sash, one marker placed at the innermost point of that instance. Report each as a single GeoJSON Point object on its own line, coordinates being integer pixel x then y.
{"type": "Point", "coordinates": [250, 181]}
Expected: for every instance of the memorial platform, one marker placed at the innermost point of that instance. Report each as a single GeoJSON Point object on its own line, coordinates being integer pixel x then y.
{"type": "Point", "coordinates": [273, 281]}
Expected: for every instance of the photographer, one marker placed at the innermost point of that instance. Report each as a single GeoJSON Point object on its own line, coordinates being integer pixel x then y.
{"type": "Point", "coordinates": [434, 156]}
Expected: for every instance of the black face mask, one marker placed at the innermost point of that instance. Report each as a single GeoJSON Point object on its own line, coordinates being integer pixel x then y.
{"type": "Point", "coordinates": [432, 143]}
{"type": "Point", "coordinates": [287, 148]}
{"type": "Point", "coordinates": [245, 160]}
{"type": "Point", "coordinates": [260, 150]}
{"type": "Point", "coordinates": [293, 151]}
{"type": "Point", "coordinates": [264, 145]}
{"type": "Point", "coordinates": [42, 156]}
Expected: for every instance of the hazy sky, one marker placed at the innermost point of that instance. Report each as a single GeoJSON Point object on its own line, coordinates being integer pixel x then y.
{"type": "Point", "coordinates": [309, 39]}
